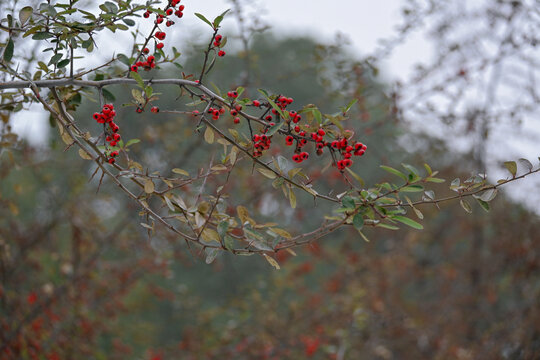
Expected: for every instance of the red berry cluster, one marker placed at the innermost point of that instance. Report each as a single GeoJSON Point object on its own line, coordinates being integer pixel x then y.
{"type": "Point", "coordinates": [347, 150]}
{"type": "Point", "coordinates": [106, 116]}
{"type": "Point", "coordinates": [216, 112]}
{"type": "Point", "coordinates": [169, 10]}
{"type": "Point", "coordinates": [260, 143]}
{"type": "Point", "coordinates": [218, 44]}
{"type": "Point", "coordinates": [147, 65]}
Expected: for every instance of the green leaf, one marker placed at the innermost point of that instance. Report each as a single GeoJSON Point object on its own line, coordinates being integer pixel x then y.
{"type": "Point", "coordinates": [222, 228]}
{"type": "Point", "coordinates": [138, 79]}
{"type": "Point", "coordinates": [200, 16]}
{"type": "Point", "coordinates": [24, 14]}
{"type": "Point", "coordinates": [483, 204]}
{"type": "Point", "coordinates": [63, 63]}
{"type": "Point", "coordinates": [266, 172]}
{"type": "Point", "coordinates": [394, 172]}
{"type": "Point", "coordinates": [428, 169]}
{"type": "Point", "coordinates": [55, 58]}
{"type": "Point", "coordinates": [435, 180]}
{"type": "Point", "coordinates": [122, 58]}
{"type": "Point", "coordinates": [387, 226]}
{"type": "Point", "coordinates": [132, 141]}
{"type": "Point", "coordinates": [358, 222]}
{"type": "Point", "coordinates": [348, 202]}
{"type": "Point", "coordinates": [350, 105]}
{"type": "Point", "coordinates": [108, 95]}
{"type": "Point", "coordinates": [408, 222]}
{"type": "Point", "coordinates": [412, 188]}
{"type": "Point", "coordinates": [219, 18]}
{"type": "Point", "coordinates": [8, 52]}
{"type": "Point", "coordinates": [411, 168]}
{"type": "Point", "coordinates": [42, 36]}
{"type": "Point", "coordinates": [129, 22]}
{"type": "Point", "coordinates": [356, 176]}
{"type": "Point", "coordinates": [275, 128]}
{"type": "Point", "coordinates": [511, 166]}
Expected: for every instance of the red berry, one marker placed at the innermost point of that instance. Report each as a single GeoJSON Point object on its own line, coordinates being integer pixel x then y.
{"type": "Point", "coordinates": [234, 112]}
{"type": "Point", "coordinates": [111, 160]}
{"type": "Point", "coordinates": [256, 103]}
{"type": "Point", "coordinates": [151, 59]}
{"type": "Point", "coordinates": [113, 143]}
{"type": "Point", "coordinates": [195, 112]}
{"type": "Point", "coordinates": [321, 132]}
{"type": "Point", "coordinates": [181, 7]}
{"type": "Point", "coordinates": [154, 109]}
{"type": "Point", "coordinates": [159, 20]}
{"type": "Point", "coordinates": [221, 53]}
{"type": "Point", "coordinates": [304, 155]}
{"type": "Point", "coordinates": [134, 68]}
{"type": "Point", "coordinates": [116, 137]}
{"type": "Point", "coordinates": [146, 15]}
{"type": "Point", "coordinates": [146, 50]}
{"type": "Point", "coordinates": [268, 117]}
{"type": "Point", "coordinates": [297, 128]}
{"type": "Point", "coordinates": [114, 153]}
{"type": "Point", "coordinates": [179, 13]}
{"type": "Point", "coordinates": [169, 11]}
{"type": "Point", "coordinates": [289, 140]}
{"type": "Point", "coordinates": [237, 120]}
{"type": "Point", "coordinates": [297, 158]}
{"type": "Point", "coordinates": [159, 45]}
{"type": "Point", "coordinates": [96, 116]}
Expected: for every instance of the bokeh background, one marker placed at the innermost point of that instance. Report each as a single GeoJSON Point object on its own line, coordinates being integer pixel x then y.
{"type": "Point", "coordinates": [80, 278]}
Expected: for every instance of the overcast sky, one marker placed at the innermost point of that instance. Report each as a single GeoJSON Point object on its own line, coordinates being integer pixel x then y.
{"type": "Point", "coordinates": [363, 22]}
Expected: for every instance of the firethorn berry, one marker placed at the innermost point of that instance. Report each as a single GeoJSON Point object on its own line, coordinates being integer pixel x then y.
{"type": "Point", "coordinates": [221, 53]}
{"type": "Point", "coordinates": [134, 68]}
{"type": "Point", "coordinates": [116, 137]}
{"type": "Point", "coordinates": [179, 13]}
{"type": "Point", "coordinates": [114, 153]}
{"type": "Point", "coordinates": [108, 138]}
{"type": "Point", "coordinates": [96, 116]}
{"type": "Point", "coordinates": [159, 45]}
{"type": "Point", "coordinates": [321, 132]}
{"type": "Point", "coordinates": [256, 103]}
{"type": "Point", "coordinates": [302, 133]}
{"type": "Point", "coordinates": [289, 140]}
{"type": "Point", "coordinates": [113, 143]}
{"type": "Point", "coordinates": [158, 21]}
{"type": "Point", "coordinates": [145, 50]}
{"type": "Point", "coordinates": [304, 155]}
{"type": "Point", "coordinates": [195, 112]}
{"type": "Point", "coordinates": [146, 15]}
{"type": "Point", "coordinates": [297, 128]}
{"type": "Point", "coordinates": [272, 124]}
{"type": "Point", "coordinates": [160, 35]}
{"type": "Point", "coordinates": [234, 112]}
{"type": "Point", "coordinates": [218, 38]}
{"type": "Point", "coordinates": [238, 107]}
{"type": "Point", "coordinates": [111, 160]}
{"type": "Point", "coordinates": [222, 110]}
{"type": "Point", "coordinates": [297, 158]}
{"type": "Point", "coordinates": [268, 117]}
{"type": "Point", "coordinates": [335, 144]}
{"type": "Point", "coordinates": [139, 109]}
{"type": "Point", "coordinates": [237, 120]}
{"type": "Point", "coordinates": [154, 109]}
{"type": "Point", "coordinates": [151, 59]}
{"type": "Point", "coordinates": [169, 23]}
{"type": "Point", "coordinates": [169, 11]}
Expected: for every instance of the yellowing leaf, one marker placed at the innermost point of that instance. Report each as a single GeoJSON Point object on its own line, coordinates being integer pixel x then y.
{"type": "Point", "coordinates": [218, 167]}
{"type": "Point", "coordinates": [243, 213]}
{"type": "Point", "coordinates": [268, 173]}
{"type": "Point", "coordinates": [281, 232]}
{"type": "Point", "coordinates": [83, 154]}
{"type": "Point", "coordinates": [292, 198]}
{"type": "Point", "coordinates": [209, 135]}
{"type": "Point", "coordinates": [272, 261]}
{"type": "Point", "coordinates": [210, 235]}
{"type": "Point", "coordinates": [180, 171]}
{"type": "Point", "coordinates": [149, 186]}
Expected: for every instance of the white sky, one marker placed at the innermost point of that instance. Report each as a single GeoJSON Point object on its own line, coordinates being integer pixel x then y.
{"type": "Point", "coordinates": [363, 22]}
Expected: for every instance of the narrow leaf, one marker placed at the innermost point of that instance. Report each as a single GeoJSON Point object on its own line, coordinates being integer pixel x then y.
{"type": "Point", "coordinates": [408, 222]}
{"type": "Point", "coordinates": [394, 172]}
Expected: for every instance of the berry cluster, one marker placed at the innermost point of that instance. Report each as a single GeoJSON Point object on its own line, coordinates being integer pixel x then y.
{"type": "Point", "coordinates": [218, 44]}
{"type": "Point", "coordinates": [216, 112]}
{"type": "Point", "coordinates": [260, 143]}
{"type": "Point", "coordinates": [170, 9]}
{"type": "Point", "coordinates": [343, 146]}
{"type": "Point", "coordinates": [147, 65]}
{"type": "Point", "coordinates": [106, 116]}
